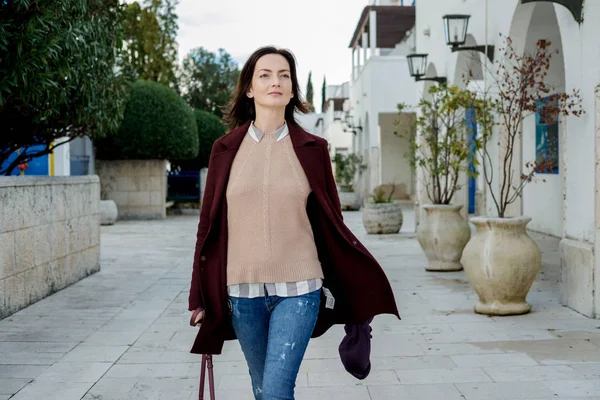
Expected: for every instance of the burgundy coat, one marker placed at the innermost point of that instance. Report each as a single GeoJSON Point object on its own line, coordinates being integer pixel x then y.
{"type": "Point", "coordinates": [355, 279]}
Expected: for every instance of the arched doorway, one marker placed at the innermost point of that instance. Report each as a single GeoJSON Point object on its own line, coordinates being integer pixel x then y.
{"type": "Point", "coordinates": [532, 22]}
{"type": "Point", "coordinates": [469, 69]}
{"type": "Point", "coordinates": [468, 64]}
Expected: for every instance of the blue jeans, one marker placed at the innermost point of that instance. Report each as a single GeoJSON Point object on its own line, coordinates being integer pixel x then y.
{"type": "Point", "coordinates": [274, 333]}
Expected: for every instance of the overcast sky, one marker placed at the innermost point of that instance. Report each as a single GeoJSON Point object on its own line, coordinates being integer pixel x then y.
{"type": "Point", "coordinates": [318, 32]}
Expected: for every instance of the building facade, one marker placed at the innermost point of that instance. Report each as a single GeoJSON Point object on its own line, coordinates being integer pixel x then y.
{"type": "Point", "coordinates": [564, 203]}
{"type": "Point", "coordinates": [379, 82]}
{"type": "Point", "coordinates": [337, 132]}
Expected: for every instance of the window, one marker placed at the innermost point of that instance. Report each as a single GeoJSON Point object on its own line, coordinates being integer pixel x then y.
{"type": "Point", "coordinates": [546, 136]}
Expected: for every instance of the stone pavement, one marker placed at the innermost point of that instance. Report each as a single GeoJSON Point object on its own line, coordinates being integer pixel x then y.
{"type": "Point", "coordinates": [122, 333]}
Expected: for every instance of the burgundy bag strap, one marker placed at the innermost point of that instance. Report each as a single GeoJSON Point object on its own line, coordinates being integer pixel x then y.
{"type": "Point", "coordinates": [194, 315]}
{"type": "Point", "coordinates": [207, 364]}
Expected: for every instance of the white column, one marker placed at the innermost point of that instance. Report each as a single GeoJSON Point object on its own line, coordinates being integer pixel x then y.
{"type": "Point", "coordinates": [358, 60]}
{"type": "Point", "coordinates": [62, 162]}
{"type": "Point", "coordinates": [373, 32]}
{"type": "Point", "coordinates": [365, 46]}
{"type": "Point", "coordinates": [353, 63]}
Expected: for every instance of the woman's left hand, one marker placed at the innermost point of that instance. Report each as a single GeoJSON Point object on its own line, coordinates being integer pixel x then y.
{"type": "Point", "coordinates": [197, 317]}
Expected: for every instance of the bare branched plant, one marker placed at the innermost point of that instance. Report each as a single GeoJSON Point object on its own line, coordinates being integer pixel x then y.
{"type": "Point", "coordinates": [519, 88]}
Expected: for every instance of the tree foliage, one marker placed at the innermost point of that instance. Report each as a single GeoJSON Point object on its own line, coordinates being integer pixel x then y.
{"type": "Point", "coordinates": [157, 124]}
{"type": "Point", "coordinates": [310, 93]}
{"type": "Point", "coordinates": [210, 128]}
{"type": "Point", "coordinates": [347, 167]}
{"type": "Point", "coordinates": [57, 75]}
{"type": "Point", "coordinates": [150, 46]}
{"type": "Point", "coordinates": [519, 83]}
{"type": "Point", "coordinates": [208, 80]}
{"type": "Point", "coordinates": [441, 148]}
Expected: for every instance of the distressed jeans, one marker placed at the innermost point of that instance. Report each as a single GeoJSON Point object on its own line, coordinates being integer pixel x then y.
{"type": "Point", "coordinates": [274, 333]}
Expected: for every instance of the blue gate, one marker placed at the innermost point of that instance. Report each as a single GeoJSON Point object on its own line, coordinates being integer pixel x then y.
{"type": "Point", "coordinates": [80, 164]}
{"type": "Point", "coordinates": [37, 166]}
{"type": "Point", "coordinates": [472, 132]}
{"type": "Point", "coordinates": [183, 185]}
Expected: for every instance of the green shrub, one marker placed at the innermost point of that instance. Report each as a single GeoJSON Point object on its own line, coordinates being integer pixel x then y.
{"type": "Point", "coordinates": [210, 128]}
{"type": "Point", "coordinates": [157, 124]}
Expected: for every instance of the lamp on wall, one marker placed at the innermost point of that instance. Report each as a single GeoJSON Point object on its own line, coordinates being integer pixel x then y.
{"type": "Point", "coordinates": [456, 27]}
{"type": "Point", "coordinates": [348, 120]}
{"type": "Point", "coordinates": [575, 6]}
{"type": "Point", "coordinates": [417, 66]}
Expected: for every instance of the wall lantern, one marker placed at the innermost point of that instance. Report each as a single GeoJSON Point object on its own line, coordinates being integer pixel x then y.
{"type": "Point", "coordinates": [575, 6]}
{"type": "Point", "coordinates": [417, 66]}
{"type": "Point", "coordinates": [456, 27]}
{"type": "Point", "coordinates": [349, 124]}
{"type": "Point", "coordinates": [348, 119]}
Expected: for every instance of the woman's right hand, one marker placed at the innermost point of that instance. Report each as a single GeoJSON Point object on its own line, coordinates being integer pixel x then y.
{"type": "Point", "coordinates": [197, 317]}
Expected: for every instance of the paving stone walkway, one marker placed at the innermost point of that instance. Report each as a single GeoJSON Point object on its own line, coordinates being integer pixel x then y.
{"type": "Point", "coordinates": [122, 333]}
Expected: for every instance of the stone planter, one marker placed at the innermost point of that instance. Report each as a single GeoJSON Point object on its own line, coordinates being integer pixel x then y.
{"type": "Point", "coordinates": [138, 187]}
{"type": "Point", "coordinates": [501, 261]}
{"type": "Point", "coordinates": [382, 218]}
{"type": "Point", "coordinates": [49, 236]}
{"type": "Point", "coordinates": [443, 234]}
{"type": "Point", "coordinates": [349, 199]}
{"type": "Point", "coordinates": [108, 212]}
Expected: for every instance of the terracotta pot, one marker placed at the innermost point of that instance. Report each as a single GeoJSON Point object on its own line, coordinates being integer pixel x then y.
{"type": "Point", "coordinates": [443, 234]}
{"type": "Point", "coordinates": [382, 218]}
{"type": "Point", "coordinates": [501, 261]}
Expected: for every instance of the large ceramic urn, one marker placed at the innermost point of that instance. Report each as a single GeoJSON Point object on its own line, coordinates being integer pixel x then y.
{"type": "Point", "coordinates": [443, 234]}
{"type": "Point", "coordinates": [501, 261]}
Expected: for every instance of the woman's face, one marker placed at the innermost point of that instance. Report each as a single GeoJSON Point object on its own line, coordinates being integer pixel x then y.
{"type": "Point", "coordinates": [272, 82]}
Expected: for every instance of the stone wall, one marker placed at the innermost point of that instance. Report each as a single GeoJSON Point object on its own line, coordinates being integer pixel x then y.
{"type": "Point", "coordinates": [49, 236]}
{"type": "Point", "coordinates": [138, 187]}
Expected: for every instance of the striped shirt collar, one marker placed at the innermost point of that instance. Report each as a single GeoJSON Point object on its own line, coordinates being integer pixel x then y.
{"type": "Point", "coordinates": [257, 134]}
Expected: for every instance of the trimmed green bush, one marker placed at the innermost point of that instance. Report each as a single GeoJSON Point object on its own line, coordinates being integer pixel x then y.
{"type": "Point", "coordinates": [157, 124]}
{"type": "Point", "coordinates": [210, 128]}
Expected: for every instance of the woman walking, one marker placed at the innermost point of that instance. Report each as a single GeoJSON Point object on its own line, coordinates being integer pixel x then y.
{"type": "Point", "coordinates": [274, 263]}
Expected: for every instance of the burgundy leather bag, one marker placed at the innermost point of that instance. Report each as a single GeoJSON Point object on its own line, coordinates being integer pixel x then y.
{"type": "Point", "coordinates": [207, 365]}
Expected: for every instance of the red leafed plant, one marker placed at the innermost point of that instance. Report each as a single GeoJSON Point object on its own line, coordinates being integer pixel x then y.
{"type": "Point", "coordinates": [518, 86]}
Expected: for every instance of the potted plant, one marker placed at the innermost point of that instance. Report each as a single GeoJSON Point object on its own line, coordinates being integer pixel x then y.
{"type": "Point", "coordinates": [501, 260]}
{"type": "Point", "coordinates": [346, 169]}
{"type": "Point", "coordinates": [382, 215]}
{"type": "Point", "coordinates": [440, 152]}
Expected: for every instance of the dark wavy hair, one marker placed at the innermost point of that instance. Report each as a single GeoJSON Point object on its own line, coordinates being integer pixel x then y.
{"type": "Point", "coordinates": [241, 107]}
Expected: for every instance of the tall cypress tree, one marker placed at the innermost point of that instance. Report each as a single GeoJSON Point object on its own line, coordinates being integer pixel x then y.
{"type": "Point", "coordinates": [323, 93]}
{"type": "Point", "coordinates": [309, 93]}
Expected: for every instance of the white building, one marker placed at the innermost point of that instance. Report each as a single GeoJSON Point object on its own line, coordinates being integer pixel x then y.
{"type": "Point", "coordinates": [338, 134]}
{"type": "Point", "coordinates": [379, 82]}
{"type": "Point", "coordinates": [567, 205]}
{"type": "Point", "coordinates": [312, 123]}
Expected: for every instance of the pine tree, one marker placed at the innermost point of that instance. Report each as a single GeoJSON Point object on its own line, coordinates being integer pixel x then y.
{"type": "Point", "coordinates": [309, 93]}
{"type": "Point", "coordinates": [323, 93]}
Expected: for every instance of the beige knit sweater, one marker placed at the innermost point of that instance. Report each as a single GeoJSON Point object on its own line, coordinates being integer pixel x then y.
{"type": "Point", "coordinates": [270, 236]}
